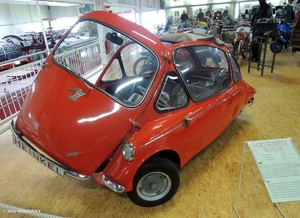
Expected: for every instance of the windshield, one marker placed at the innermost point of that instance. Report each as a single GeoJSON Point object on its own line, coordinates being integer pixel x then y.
{"type": "Point", "coordinates": [108, 60]}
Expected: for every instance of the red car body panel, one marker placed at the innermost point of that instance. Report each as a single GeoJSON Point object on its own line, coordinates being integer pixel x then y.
{"type": "Point", "coordinates": [85, 133]}
{"type": "Point", "coordinates": [78, 127]}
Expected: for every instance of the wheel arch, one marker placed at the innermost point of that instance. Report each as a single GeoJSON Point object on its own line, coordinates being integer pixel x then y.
{"type": "Point", "coordinates": [171, 155]}
{"type": "Point", "coordinates": [143, 194]}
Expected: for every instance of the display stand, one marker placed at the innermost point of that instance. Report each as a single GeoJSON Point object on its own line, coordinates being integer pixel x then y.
{"type": "Point", "coordinates": [262, 41]}
{"type": "Point", "coordinates": [278, 154]}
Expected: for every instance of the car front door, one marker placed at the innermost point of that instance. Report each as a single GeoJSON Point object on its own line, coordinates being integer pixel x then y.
{"type": "Point", "coordinates": [210, 102]}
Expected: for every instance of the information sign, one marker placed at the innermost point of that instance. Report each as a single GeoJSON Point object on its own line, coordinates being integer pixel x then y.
{"type": "Point", "coordinates": [278, 162]}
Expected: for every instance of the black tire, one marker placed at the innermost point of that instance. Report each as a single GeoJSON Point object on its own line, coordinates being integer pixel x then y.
{"type": "Point", "coordinates": [276, 47]}
{"type": "Point", "coordinates": [244, 55]}
{"type": "Point", "coordinates": [245, 50]}
{"type": "Point", "coordinates": [139, 65]}
{"type": "Point", "coordinates": [155, 183]}
{"type": "Point", "coordinates": [236, 51]}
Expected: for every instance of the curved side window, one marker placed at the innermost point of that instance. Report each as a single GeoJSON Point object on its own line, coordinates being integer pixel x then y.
{"type": "Point", "coordinates": [204, 69]}
{"type": "Point", "coordinates": [237, 76]}
{"type": "Point", "coordinates": [172, 94]}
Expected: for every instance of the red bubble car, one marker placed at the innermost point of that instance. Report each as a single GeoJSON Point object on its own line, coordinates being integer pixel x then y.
{"type": "Point", "coordinates": [119, 104]}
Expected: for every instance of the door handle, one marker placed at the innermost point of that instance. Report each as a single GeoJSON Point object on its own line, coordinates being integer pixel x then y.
{"type": "Point", "coordinates": [186, 121]}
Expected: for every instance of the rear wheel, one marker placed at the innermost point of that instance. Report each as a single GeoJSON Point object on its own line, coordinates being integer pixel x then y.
{"type": "Point", "coordinates": [236, 50]}
{"type": "Point", "coordinates": [244, 53]}
{"type": "Point", "coordinates": [155, 183]}
{"type": "Point", "coordinates": [245, 49]}
{"type": "Point", "coordinates": [276, 46]}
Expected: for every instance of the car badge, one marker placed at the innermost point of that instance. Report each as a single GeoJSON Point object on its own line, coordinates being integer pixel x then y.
{"type": "Point", "coordinates": [72, 154]}
{"type": "Point", "coordinates": [77, 94]}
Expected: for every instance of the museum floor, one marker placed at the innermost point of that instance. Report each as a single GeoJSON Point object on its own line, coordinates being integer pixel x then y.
{"type": "Point", "coordinates": [209, 181]}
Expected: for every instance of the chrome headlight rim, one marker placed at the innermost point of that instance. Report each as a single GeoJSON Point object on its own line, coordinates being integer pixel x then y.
{"type": "Point", "coordinates": [128, 151]}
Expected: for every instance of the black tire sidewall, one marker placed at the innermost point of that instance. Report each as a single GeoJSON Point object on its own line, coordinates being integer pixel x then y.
{"type": "Point", "coordinates": [236, 50]}
{"type": "Point", "coordinates": [156, 164]}
{"type": "Point", "coordinates": [274, 46]}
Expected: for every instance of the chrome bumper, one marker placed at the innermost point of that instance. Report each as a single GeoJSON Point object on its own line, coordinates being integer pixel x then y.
{"type": "Point", "coordinates": [113, 186]}
{"type": "Point", "coordinates": [42, 159]}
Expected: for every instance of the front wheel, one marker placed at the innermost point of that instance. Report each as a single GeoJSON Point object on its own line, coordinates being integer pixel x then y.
{"type": "Point", "coordinates": [155, 183]}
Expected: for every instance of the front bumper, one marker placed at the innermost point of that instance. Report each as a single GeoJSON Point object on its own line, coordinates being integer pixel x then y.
{"type": "Point", "coordinates": [251, 101]}
{"type": "Point", "coordinates": [111, 185]}
{"type": "Point", "coordinates": [57, 168]}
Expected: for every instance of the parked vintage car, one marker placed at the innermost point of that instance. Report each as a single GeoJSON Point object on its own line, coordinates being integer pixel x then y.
{"type": "Point", "coordinates": [136, 117]}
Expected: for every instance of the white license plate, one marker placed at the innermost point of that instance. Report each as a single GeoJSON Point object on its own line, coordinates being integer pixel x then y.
{"type": "Point", "coordinates": [40, 158]}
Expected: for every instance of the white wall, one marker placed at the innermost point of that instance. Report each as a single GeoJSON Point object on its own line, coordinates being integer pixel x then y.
{"type": "Point", "coordinates": [15, 19]}
{"type": "Point", "coordinates": [18, 19]}
{"type": "Point", "coordinates": [70, 11]}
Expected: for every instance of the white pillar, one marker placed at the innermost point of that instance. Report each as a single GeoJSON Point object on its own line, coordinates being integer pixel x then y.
{"type": "Point", "coordinates": [99, 5]}
{"type": "Point", "coordinates": [140, 13]}
{"type": "Point", "coordinates": [42, 23]}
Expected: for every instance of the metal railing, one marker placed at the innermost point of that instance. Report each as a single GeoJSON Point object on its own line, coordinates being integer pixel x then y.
{"type": "Point", "coordinates": [14, 85]}
{"type": "Point", "coordinates": [15, 82]}
{"type": "Point", "coordinates": [81, 60]}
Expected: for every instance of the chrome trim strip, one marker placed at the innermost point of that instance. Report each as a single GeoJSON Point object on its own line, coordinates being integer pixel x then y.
{"type": "Point", "coordinates": [162, 135]}
{"type": "Point", "coordinates": [111, 185]}
{"type": "Point", "coordinates": [213, 106]}
{"type": "Point", "coordinates": [42, 159]}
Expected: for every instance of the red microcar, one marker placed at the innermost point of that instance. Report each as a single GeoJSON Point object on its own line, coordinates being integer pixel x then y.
{"type": "Point", "coordinates": [115, 102]}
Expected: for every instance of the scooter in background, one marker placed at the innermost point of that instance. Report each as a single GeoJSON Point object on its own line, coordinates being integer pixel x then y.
{"type": "Point", "coordinates": [281, 37]}
{"type": "Point", "coordinates": [241, 42]}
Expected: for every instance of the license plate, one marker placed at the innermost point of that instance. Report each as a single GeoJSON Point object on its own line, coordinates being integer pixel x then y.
{"type": "Point", "coordinates": [39, 157]}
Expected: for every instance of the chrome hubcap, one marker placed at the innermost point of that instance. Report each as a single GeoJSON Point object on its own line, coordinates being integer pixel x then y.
{"type": "Point", "coordinates": [154, 186]}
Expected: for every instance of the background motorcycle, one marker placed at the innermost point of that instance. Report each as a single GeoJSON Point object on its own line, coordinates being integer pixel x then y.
{"type": "Point", "coordinates": [281, 37]}
{"type": "Point", "coordinates": [241, 42]}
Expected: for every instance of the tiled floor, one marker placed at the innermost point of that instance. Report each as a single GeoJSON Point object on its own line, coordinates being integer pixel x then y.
{"type": "Point", "coordinates": [208, 182]}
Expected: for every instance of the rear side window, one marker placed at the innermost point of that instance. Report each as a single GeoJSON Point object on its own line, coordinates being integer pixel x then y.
{"type": "Point", "coordinates": [237, 76]}
{"type": "Point", "coordinates": [204, 69]}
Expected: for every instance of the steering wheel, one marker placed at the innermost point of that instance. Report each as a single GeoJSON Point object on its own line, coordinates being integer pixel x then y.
{"type": "Point", "coordinates": [142, 90]}
{"type": "Point", "coordinates": [163, 100]}
{"type": "Point", "coordinates": [162, 104]}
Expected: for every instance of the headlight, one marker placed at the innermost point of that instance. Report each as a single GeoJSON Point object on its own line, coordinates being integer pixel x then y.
{"type": "Point", "coordinates": [128, 151]}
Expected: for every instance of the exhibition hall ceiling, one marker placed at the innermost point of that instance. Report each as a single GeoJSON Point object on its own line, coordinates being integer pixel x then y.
{"type": "Point", "coordinates": [49, 2]}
